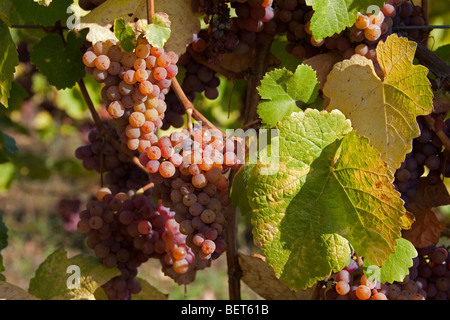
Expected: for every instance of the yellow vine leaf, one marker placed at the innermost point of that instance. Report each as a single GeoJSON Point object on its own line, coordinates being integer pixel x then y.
{"type": "Point", "coordinates": [383, 110]}
{"type": "Point", "coordinates": [184, 23]}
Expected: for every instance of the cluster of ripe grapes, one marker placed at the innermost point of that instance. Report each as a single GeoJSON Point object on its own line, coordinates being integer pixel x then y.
{"type": "Point", "coordinates": [428, 279]}
{"type": "Point", "coordinates": [118, 171]}
{"type": "Point", "coordinates": [257, 19]}
{"type": "Point", "coordinates": [294, 18]}
{"type": "Point", "coordinates": [125, 232]}
{"type": "Point", "coordinates": [135, 87]}
{"type": "Point", "coordinates": [189, 173]}
{"type": "Point", "coordinates": [351, 284]}
{"type": "Point", "coordinates": [198, 78]}
{"type": "Point", "coordinates": [427, 156]}
{"type": "Point", "coordinates": [227, 33]}
{"type": "Point", "coordinates": [407, 14]}
{"type": "Point", "coordinates": [188, 169]}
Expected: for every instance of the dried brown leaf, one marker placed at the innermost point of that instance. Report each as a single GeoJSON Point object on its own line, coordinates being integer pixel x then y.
{"type": "Point", "coordinates": [426, 230]}
{"type": "Point", "coordinates": [261, 279]}
{"type": "Point", "coordinates": [323, 64]}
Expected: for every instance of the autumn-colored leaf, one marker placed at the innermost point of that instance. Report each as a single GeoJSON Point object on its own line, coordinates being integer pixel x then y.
{"type": "Point", "coordinates": [261, 279]}
{"type": "Point", "coordinates": [51, 280]}
{"type": "Point", "coordinates": [184, 23]}
{"type": "Point", "coordinates": [323, 64]}
{"type": "Point", "coordinates": [384, 111]}
{"type": "Point", "coordinates": [431, 196]}
{"type": "Point", "coordinates": [426, 230]}
{"type": "Point", "coordinates": [330, 191]}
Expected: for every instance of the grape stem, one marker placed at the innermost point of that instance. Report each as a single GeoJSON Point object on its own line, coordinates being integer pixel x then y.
{"type": "Point", "coordinates": [90, 105]}
{"type": "Point", "coordinates": [234, 268]}
{"type": "Point", "coordinates": [360, 262]}
{"type": "Point", "coordinates": [99, 124]}
{"type": "Point", "coordinates": [145, 188]}
{"type": "Point", "coordinates": [187, 104]}
{"type": "Point", "coordinates": [175, 84]}
{"type": "Point", "coordinates": [150, 10]}
{"type": "Point", "coordinates": [138, 164]}
{"type": "Point", "coordinates": [216, 68]}
{"type": "Point", "coordinates": [189, 121]}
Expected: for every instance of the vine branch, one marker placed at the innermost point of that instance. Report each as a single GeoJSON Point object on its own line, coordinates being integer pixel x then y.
{"type": "Point", "coordinates": [90, 105]}
{"type": "Point", "coordinates": [187, 104]}
{"type": "Point", "coordinates": [216, 68]}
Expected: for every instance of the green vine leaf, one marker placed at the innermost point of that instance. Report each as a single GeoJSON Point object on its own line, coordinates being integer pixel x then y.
{"type": "Point", "coordinates": [125, 34]}
{"type": "Point", "coordinates": [5, 8]}
{"type": "Point", "coordinates": [7, 146]}
{"type": "Point", "coordinates": [333, 16]}
{"type": "Point", "coordinates": [44, 15]}
{"type": "Point", "coordinates": [283, 92]}
{"type": "Point", "coordinates": [8, 62]}
{"type": "Point", "coordinates": [331, 191]}
{"type": "Point", "coordinates": [51, 278]}
{"type": "Point", "coordinates": [61, 63]}
{"type": "Point", "coordinates": [8, 170]}
{"type": "Point", "coordinates": [149, 292]}
{"type": "Point", "coordinates": [396, 268]}
{"type": "Point", "coordinates": [158, 32]}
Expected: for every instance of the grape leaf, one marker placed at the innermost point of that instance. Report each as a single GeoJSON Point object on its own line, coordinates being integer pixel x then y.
{"type": "Point", "coordinates": [444, 53]}
{"type": "Point", "coordinates": [184, 23]}
{"type": "Point", "coordinates": [149, 292]}
{"type": "Point", "coordinates": [331, 191]}
{"type": "Point", "coordinates": [9, 291]}
{"type": "Point", "coordinates": [5, 7]}
{"type": "Point", "coordinates": [396, 268]}
{"type": "Point", "coordinates": [283, 92]}
{"type": "Point", "coordinates": [333, 16]}
{"type": "Point", "coordinates": [431, 196]}
{"type": "Point", "coordinates": [31, 11]}
{"type": "Point", "coordinates": [125, 34]}
{"type": "Point", "coordinates": [323, 64]}
{"type": "Point", "coordinates": [427, 228]}
{"type": "Point", "coordinates": [8, 62]}
{"type": "Point", "coordinates": [7, 175]}
{"type": "Point", "coordinates": [158, 32]}
{"type": "Point", "coordinates": [261, 279]}
{"type": "Point", "coordinates": [51, 278]}
{"type": "Point", "coordinates": [7, 147]}
{"type": "Point", "coordinates": [61, 63]}
{"type": "Point", "coordinates": [384, 111]}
